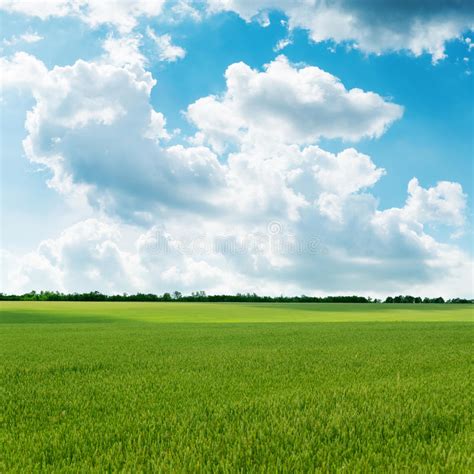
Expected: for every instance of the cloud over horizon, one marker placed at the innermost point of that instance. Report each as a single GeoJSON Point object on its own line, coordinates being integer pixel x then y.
{"type": "Point", "coordinates": [248, 199]}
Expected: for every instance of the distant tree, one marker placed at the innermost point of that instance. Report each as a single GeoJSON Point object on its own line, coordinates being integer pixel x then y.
{"type": "Point", "coordinates": [460, 301]}
{"type": "Point", "coordinates": [239, 297]}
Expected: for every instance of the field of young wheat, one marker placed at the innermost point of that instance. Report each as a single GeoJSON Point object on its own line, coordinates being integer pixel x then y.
{"type": "Point", "coordinates": [181, 387]}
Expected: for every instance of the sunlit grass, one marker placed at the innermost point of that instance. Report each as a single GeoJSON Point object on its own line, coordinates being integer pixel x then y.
{"type": "Point", "coordinates": [19, 311]}
{"type": "Point", "coordinates": [101, 386]}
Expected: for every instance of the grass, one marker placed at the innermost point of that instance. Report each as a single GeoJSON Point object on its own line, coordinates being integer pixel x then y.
{"type": "Point", "coordinates": [235, 387]}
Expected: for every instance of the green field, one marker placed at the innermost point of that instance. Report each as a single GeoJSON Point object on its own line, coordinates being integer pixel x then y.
{"type": "Point", "coordinates": [186, 387]}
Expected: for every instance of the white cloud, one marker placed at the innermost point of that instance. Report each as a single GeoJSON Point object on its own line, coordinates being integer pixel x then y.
{"type": "Point", "coordinates": [28, 37]}
{"type": "Point", "coordinates": [282, 44]}
{"type": "Point", "coordinates": [94, 128]}
{"type": "Point", "coordinates": [444, 203]}
{"type": "Point", "coordinates": [306, 216]}
{"type": "Point", "coordinates": [89, 255]}
{"type": "Point", "coordinates": [166, 50]}
{"type": "Point", "coordinates": [292, 104]}
{"type": "Point", "coordinates": [31, 37]}
{"type": "Point", "coordinates": [21, 71]}
{"type": "Point", "coordinates": [281, 182]}
{"type": "Point", "coordinates": [41, 10]}
{"type": "Point", "coordinates": [124, 52]}
{"type": "Point", "coordinates": [375, 26]}
{"type": "Point", "coordinates": [366, 251]}
{"type": "Point", "coordinates": [83, 257]}
{"type": "Point", "coordinates": [123, 14]}
{"type": "Point", "coordinates": [183, 9]}
{"type": "Point", "coordinates": [372, 26]}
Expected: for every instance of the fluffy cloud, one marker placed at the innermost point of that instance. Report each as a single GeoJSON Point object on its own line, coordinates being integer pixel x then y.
{"type": "Point", "coordinates": [92, 255]}
{"type": "Point", "coordinates": [375, 26]}
{"type": "Point", "coordinates": [124, 52]}
{"type": "Point", "coordinates": [329, 233]}
{"type": "Point", "coordinates": [83, 257]}
{"type": "Point", "coordinates": [444, 203]}
{"type": "Point", "coordinates": [166, 50]}
{"type": "Point", "coordinates": [94, 128]}
{"type": "Point", "coordinates": [122, 14]}
{"type": "Point", "coordinates": [365, 251]}
{"type": "Point", "coordinates": [278, 182]}
{"type": "Point", "coordinates": [275, 214]}
{"type": "Point", "coordinates": [291, 104]}
{"type": "Point", "coordinates": [21, 70]}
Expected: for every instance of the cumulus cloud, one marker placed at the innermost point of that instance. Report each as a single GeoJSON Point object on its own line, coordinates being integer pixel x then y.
{"type": "Point", "coordinates": [292, 104]}
{"type": "Point", "coordinates": [83, 257]}
{"type": "Point", "coordinates": [21, 70]}
{"type": "Point", "coordinates": [123, 14]}
{"type": "Point", "coordinates": [274, 214]}
{"type": "Point", "coordinates": [94, 128]}
{"type": "Point", "coordinates": [331, 233]}
{"type": "Point", "coordinates": [124, 52]}
{"type": "Point", "coordinates": [166, 50]}
{"type": "Point", "coordinates": [91, 255]}
{"type": "Point", "coordinates": [365, 251]}
{"type": "Point", "coordinates": [444, 203]}
{"type": "Point", "coordinates": [374, 26]}
{"type": "Point", "coordinates": [279, 181]}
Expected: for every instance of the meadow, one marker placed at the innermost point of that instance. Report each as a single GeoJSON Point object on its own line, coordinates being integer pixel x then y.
{"type": "Point", "coordinates": [197, 387]}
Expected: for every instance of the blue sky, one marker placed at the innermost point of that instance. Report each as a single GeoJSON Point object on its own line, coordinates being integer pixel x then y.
{"type": "Point", "coordinates": [431, 140]}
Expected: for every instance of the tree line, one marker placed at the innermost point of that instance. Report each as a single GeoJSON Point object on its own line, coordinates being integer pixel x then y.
{"type": "Point", "coordinates": [201, 296]}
